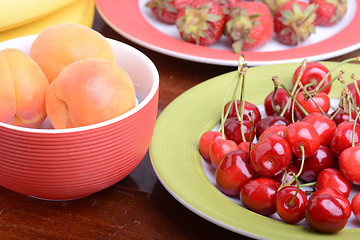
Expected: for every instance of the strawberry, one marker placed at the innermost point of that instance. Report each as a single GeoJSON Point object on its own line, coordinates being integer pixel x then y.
{"type": "Point", "coordinates": [202, 22]}
{"type": "Point", "coordinates": [250, 26]}
{"type": "Point", "coordinates": [227, 5]}
{"type": "Point", "coordinates": [294, 22]}
{"type": "Point", "coordinates": [329, 12]}
{"type": "Point", "coordinates": [167, 10]}
{"type": "Point", "coordinates": [274, 5]}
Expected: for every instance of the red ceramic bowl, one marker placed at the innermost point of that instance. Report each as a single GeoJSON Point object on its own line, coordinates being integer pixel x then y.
{"type": "Point", "coordinates": [63, 164]}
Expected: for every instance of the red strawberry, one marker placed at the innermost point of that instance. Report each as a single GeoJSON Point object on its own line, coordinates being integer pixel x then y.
{"type": "Point", "coordinates": [227, 5]}
{"type": "Point", "coordinates": [329, 12]}
{"type": "Point", "coordinates": [294, 22]}
{"type": "Point", "coordinates": [202, 22]}
{"type": "Point", "coordinates": [250, 26]}
{"type": "Point", "coordinates": [274, 5]}
{"type": "Point", "coordinates": [167, 10]}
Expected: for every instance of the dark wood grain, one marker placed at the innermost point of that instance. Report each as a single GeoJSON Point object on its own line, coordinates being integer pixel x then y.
{"type": "Point", "coordinates": [138, 207]}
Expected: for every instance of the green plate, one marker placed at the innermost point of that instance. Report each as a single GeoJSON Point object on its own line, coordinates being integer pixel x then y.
{"type": "Point", "coordinates": [178, 164]}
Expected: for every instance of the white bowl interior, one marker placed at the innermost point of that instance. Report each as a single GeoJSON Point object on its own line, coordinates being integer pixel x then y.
{"type": "Point", "coordinates": [138, 66]}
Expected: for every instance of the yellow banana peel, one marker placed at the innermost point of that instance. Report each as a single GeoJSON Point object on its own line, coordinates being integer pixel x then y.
{"type": "Point", "coordinates": [79, 11]}
{"type": "Point", "coordinates": [14, 13]}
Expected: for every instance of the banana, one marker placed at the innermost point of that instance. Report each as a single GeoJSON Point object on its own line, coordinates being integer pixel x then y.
{"type": "Point", "coordinates": [14, 13]}
{"type": "Point", "coordinates": [80, 11]}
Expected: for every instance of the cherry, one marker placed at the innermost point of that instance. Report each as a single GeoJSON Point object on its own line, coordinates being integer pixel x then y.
{"type": "Point", "coordinates": [302, 134]}
{"type": "Point", "coordinates": [325, 214]}
{"type": "Point", "coordinates": [269, 121]}
{"type": "Point", "coordinates": [322, 101]}
{"type": "Point", "coordinates": [219, 148]}
{"type": "Point", "coordinates": [314, 164]}
{"type": "Point", "coordinates": [290, 209]}
{"type": "Point", "coordinates": [323, 125]}
{"type": "Point", "coordinates": [341, 116]}
{"type": "Point", "coordinates": [280, 100]}
{"type": "Point", "coordinates": [247, 108]}
{"type": "Point", "coordinates": [245, 146]}
{"type": "Point", "coordinates": [271, 155]}
{"type": "Point", "coordinates": [331, 177]}
{"type": "Point", "coordinates": [204, 144]}
{"type": "Point", "coordinates": [355, 206]}
{"type": "Point", "coordinates": [314, 72]}
{"type": "Point", "coordinates": [349, 164]}
{"type": "Point", "coordinates": [343, 137]}
{"type": "Point", "coordinates": [278, 129]}
{"type": "Point", "coordinates": [338, 196]}
{"type": "Point", "coordinates": [258, 195]}
{"type": "Point", "coordinates": [233, 172]}
{"type": "Point", "coordinates": [232, 130]}
{"type": "Point", "coordinates": [352, 88]}
{"type": "Point", "coordinates": [291, 168]}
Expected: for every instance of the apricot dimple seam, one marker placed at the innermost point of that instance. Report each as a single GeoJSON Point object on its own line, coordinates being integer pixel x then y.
{"type": "Point", "coordinates": [70, 121]}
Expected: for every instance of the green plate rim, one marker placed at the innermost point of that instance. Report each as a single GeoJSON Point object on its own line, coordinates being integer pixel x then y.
{"type": "Point", "coordinates": [177, 162]}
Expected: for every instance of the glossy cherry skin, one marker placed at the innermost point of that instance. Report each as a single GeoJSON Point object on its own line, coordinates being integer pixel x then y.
{"type": "Point", "coordinates": [219, 148]}
{"type": "Point", "coordinates": [258, 195]}
{"type": "Point", "coordinates": [341, 116]}
{"type": "Point", "coordinates": [232, 129]}
{"type": "Point", "coordinates": [322, 100]}
{"type": "Point", "coordinates": [245, 146]}
{"type": "Point", "coordinates": [278, 129]}
{"type": "Point", "coordinates": [325, 214]}
{"type": "Point", "coordinates": [355, 206]}
{"type": "Point", "coordinates": [291, 213]}
{"type": "Point", "coordinates": [342, 138]}
{"type": "Point", "coordinates": [233, 172]}
{"type": "Point", "coordinates": [271, 155]}
{"type": "Point", "coordinates": [204, 143]}
{"type": "Point", "coordinates": [331, 177]}
{"type": "Point", "coordinates": [314, 71]}
{"type": "Point", "coordinates": [349, 164]}
{"type": "Point", "coordinates": [269, 121]}
{"type": "Point", "coordinates": [351, 87]}
{"type": "Point", "coordinates": [344, 201]}
{"type": "Point", "coordinates": [280, 99]}
{"type": "Point", "coordinates": [302, 133]}
{"type": "Point", "coordinates": [247, 108]}
{"type": "Point", "coordinates": [323, 125]}
{"type": "Point", "coordinates": [314, 164]}
{"type": "Point", "coordinates": [291, 168]}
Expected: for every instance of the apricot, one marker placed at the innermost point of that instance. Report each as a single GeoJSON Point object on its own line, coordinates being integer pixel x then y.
{"type": "Point", "coordinates": [23, 88]}
{"type": "Point", "coordinates": [89, 91]}
{"type": "Point", "coordinates": [59, 45]}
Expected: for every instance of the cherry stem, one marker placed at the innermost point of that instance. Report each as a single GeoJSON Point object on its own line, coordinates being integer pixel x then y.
{"type": "Point", "coordinates": [293, 98]}
{"type": "Point", "coordinates": [335, 113]}
{"type": "Point", "coordinates": [312, 99]}
{"type": "Point", "coordinates": [338, 65]}
{"type": "Point", "coordinates": [251, 115]}
{"type": "Point", "coordinates": [302, 148]}
{"type": "Point", "coordinates": [355, 84]}
{"type": "Point", "coordinates": [293, 106]}
{"type": "Point", "coordinates": [291, 203]}
{"type": "Point", "coordinates": [329, 83]}
{"type": "Point", "coordinates": [353, 131]}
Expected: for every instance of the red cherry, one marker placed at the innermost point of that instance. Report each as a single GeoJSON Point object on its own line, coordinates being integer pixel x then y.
{"type": "Point", "coordinates": [247, 108]}
{"type": "Point", "coordinates": [233, 172]}
{"type": "Point", "coordinates": [314, 164]}
{"type": "Point", "coordinates": [269, 121]}
{"type": "Point", "coordinates": [232, 129]}
{"type": "Point", "coordinates": [219, 148]}
{"type": "Point", "coordinates": [352, 88]}
{"type": "Point", "coordinates": [331, 177]}
{"type": "Point", "coordinates": [278, 129]}
{"type": "Point", "coordinates": [291, 168]}
{"type": "Point", "coordinates": [338, 196]}
{"type": "Point", "coordinates": [355, 206]}
{"type": "Point", "coordinates": [325, 214]}
{"type": "Point", "coordinates": [342, 138]}
{"type": "Point", "coordinates": [302, 134]}
{"type": "Point", "coordinates": [245, 146]}
{"type": "Point", "coordinates": [291, 210]}
{"type": "Point", "coordinates": [323, 125]}
{"type": "Point", "coordinates": [271, 155]}
{"type": "Point", "coordinates": [204, 144]}
{"type": "Point", "coordinates": [341, 116]}
{"type": "Point", "coordinates": [349, 164]}
{"type": "Point", "coordinates": [314, 72]}
{"type": "Point", "coordinates": [280, 99]}
{"type": "Point", "coordinates": [321, 99]}
{"type": "Point", "coordinates": [258, 195]}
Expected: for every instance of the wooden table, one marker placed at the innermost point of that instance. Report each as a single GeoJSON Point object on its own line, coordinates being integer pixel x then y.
{"type": "Point", "coordinates": [138, 207]}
